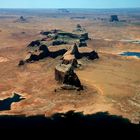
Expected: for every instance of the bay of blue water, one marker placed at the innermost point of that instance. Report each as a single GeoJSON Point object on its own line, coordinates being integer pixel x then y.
{"type": "Point", "coordinates": [137, 54]}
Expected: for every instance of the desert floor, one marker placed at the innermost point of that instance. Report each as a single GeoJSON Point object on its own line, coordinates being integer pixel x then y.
{"type": "Point", "coordinates": [112, 83]}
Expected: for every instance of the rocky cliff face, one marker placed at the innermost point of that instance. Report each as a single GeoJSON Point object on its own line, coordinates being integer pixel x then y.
{"type": "Point", "coordinates": [60, 72]}
{"type": "Point", "coordinates": [65, 75]}
{"type": "Point", "coordinates": [41, 53]}
{"type": "Point", "coordinates": [74, 51]}
{"type": "Point", "coordinates": [72, 79]}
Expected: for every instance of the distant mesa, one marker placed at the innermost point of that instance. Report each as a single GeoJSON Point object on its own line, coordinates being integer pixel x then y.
{"type": "Point", "coordinates": [114, 18]}
{"type": "Point", "coordinates": [64, 10]}
{"type": "Point", "coordinates": [79, 28]}
{"type": "Point", "coordinates": [100, 19]}
{"type": "Point", "coordinates": [78, 17]}
{"type": "Point", "coordinates": [59, 37]}
{"type": "Point", "coordinates": [22, 19]}
{"type": "Point", "coordinates": [125, 21]}
{"type": "Point", "coordinates": [84, 35]}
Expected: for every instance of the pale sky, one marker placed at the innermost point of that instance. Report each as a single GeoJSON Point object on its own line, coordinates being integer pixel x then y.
{"type": "Point", "coordinates": [69, 4]}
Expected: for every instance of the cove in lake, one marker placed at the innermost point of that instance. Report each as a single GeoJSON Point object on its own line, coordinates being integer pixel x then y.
{"type": "Point", "coordinates": [136, 54]}
{"type": "Point", "coordinates": [6, 103]}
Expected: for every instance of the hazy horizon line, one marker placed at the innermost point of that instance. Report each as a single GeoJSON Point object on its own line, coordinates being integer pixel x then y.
{"type": "Point", "coordinates": [73, 8]}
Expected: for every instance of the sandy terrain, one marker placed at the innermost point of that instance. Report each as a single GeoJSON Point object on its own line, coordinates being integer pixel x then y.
{"type": "Point", "coordinates": [111, 83]}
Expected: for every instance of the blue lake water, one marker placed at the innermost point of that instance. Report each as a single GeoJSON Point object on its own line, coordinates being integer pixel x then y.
{"type": "Point", "coordinates": [137, 54]}
{"type": "Point", "coordinates": [6, 103]}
